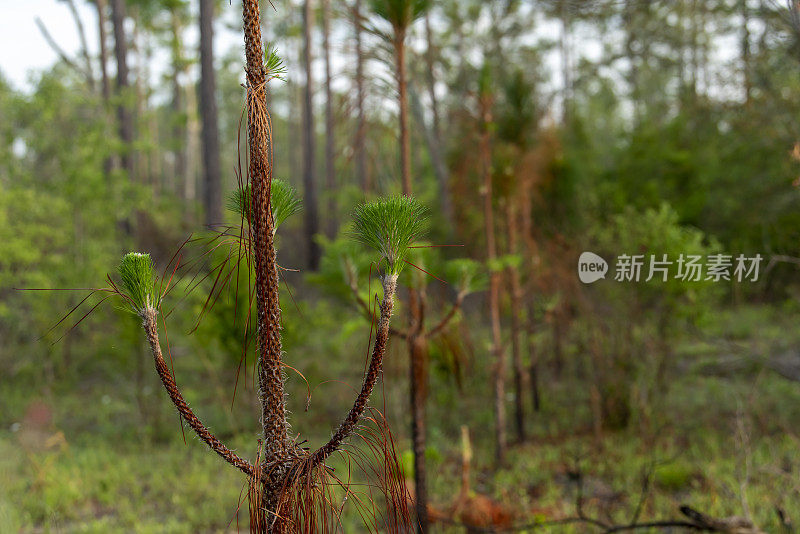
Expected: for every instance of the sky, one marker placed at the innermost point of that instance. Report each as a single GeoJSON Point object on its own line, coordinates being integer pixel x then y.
{"type": "Point", "coordinates": [22, 46]}
{"type": "Point", "coordinates": [24, 50]}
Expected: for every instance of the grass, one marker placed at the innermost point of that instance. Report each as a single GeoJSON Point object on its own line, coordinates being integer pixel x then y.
{"type": "Point", "coordinates": [104, 457]}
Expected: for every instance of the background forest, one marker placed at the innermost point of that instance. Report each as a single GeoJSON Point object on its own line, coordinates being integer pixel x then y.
{"type": "Point", "coordinates": [518, 396]}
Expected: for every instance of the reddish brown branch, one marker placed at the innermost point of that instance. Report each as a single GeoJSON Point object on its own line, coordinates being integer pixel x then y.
{"type": "Point", "coordinates": [382, 336]}
{"type": "Point", "coordinates": [151, 330]}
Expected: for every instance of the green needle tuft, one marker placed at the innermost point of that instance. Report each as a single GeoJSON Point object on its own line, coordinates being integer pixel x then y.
{"type": "Point", "coordinates": [273, 63]}
{"type": "Point", "coordinates": [285, 202]}
{"type": "Point", "coordinates": [138, 279]}
{"type": "Point", "coordinates": [390, 226]}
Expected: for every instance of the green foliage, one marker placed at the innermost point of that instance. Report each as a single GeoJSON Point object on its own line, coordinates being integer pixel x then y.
{"type": "Point", "coordinates": [273, 63]}
{"type": "Point", "coordinates": [517, 115]}
{"type": "Point", "coordinates": [138, 278]}
{"type": "Point", "coordinates": [283, 197]}
{"type": "Point", "coordinates": [674, 476]}
{"type": "Point", "coordinates": [285, 201]}
{"type": "Point", "coordinates": [400, 13]}
{"type": "Point", "coordinates": [657, 232]}
{"type": "Point", "coordinates": [501, 263]}
{"type": "Point", "coordinates": [390, 226]}
{"type": "Point", "coordinates": [468, 275]}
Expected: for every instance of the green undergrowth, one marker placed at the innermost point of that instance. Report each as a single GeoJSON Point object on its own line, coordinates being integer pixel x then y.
{"type": "Point", "coordinates": [109, 456]}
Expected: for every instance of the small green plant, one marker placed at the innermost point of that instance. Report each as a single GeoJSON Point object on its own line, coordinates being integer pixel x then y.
{"type": "Point", "coordinates": [273, 64]}
{"type": "Point", "coordinates": [390, 226]}
{"type": "Point", "coordinates": [138, 279]}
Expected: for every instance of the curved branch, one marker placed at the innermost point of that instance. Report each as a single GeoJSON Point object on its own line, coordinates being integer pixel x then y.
{"type": "Point", "coordinates": [449, 316]}
{"type": "Point", "coordinates": [150, 326]}
{"type": "Point", "coordinates": [348, 424]}
{"type": "Point", "coordinates": [367, 313]}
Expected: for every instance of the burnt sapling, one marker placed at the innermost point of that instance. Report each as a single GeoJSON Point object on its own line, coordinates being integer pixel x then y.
{"type": "Point", "coordinates": [290, 486]}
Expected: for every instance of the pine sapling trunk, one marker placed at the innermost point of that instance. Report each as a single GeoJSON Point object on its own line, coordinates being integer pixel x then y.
{"type": "Point", "coordinates": [277, 450]}
{"type": "Point", "coordinates": [289, 487]}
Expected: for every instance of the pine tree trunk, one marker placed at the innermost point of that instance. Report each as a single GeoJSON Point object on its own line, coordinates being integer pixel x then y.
{"type": "Point", "coordinates": [533, 354]}
{"type": "Point", "coordinates": [309, 144]}
{"type": "Point", "coordinates": [402, 86]}
{"type": "Point", "coordinates": [124, 116]}
{"type": "Point", "coordinates": [418, 352]}
{"type": "Point", "coordinates": [108, 163]}
{"type": "Point", "coordinates": [362, 175]}
{"type": "Point", "coordinates": [212, 173]}
{"type": "Point", "coordinates": [103, 38]}
{"type": "Point", "coordinates": [435, 143]}
{"type": "Point", "coordinates": [277, 447]}
{"type": "Point", "coordinates": [178, 106]}
{"type": "Point", "coordinates": [565, 59]}
{"type": "Point", "coordinates": [516, 314]}
{"type": "Point", "coordinates": [498, 367]}
{"type": "Point", "coordinates": [746, 52]}
{"type": "Point", "coordinates": [416, 342]}
{"type": "Point", "coordinates": [330, 134]}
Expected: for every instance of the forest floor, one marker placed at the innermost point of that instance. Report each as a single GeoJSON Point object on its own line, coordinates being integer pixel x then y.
{"type": "Point", "coordinates": [724, 439]}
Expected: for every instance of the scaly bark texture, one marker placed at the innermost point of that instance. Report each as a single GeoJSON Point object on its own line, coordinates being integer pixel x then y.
{"type": "Point", "coordinates": [270, 375]}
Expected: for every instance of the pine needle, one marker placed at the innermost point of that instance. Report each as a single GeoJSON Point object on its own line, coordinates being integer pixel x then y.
{"type": "Point", "coordinates": [138, 278]}
{"type": "Point", "coordinates": [390, 226]}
